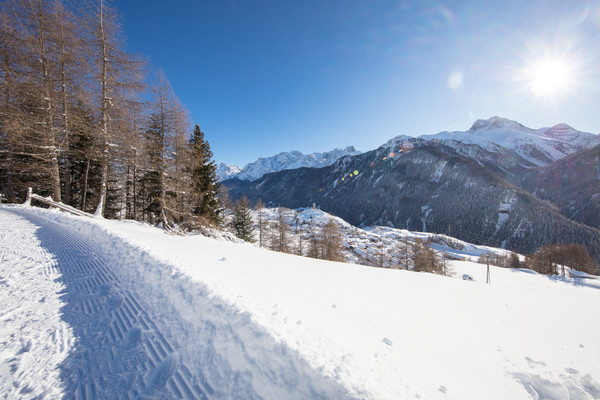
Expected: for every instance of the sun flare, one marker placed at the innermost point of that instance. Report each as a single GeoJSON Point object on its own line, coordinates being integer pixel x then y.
{"type": "Point", "coordinates": [549, 77]}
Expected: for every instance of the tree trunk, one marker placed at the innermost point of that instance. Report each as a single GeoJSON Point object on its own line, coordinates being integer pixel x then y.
{"type": "Point", "coordinates": [85, 184]}
{"type": "Point", "coordinates": [65, 111]}
{"type": "Point", "coordinates": [103, 118]}
{"type": "Point", "coordinates": [49, 123]}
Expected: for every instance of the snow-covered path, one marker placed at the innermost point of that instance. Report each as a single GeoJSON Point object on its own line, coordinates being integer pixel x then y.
{"type": "Point", "coordinates": [102, 327]}
{"type": "Point", "coordinates": [118, 344]}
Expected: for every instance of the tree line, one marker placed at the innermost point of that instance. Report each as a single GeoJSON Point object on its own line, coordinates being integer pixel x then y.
{"type": "Point", "coordinates": [281, 230]}
{"type": "Point", "coordinates": [279, 234]}
{"type": "Point", "coordinates": [85, 122]}
{"type": "Point", "coordinates": [551, 259]}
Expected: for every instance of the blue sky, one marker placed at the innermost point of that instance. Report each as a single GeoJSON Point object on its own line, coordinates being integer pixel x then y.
{"type": "Point", "coordinates": [261, 77]}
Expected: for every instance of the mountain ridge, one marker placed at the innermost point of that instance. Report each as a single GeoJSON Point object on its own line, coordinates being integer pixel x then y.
{"type": "Point", "coordinates": [434, 185]}
{"type": "Point", "coordinates": [538, 146]}
{"type": "Point", "coordinates": [291, 160]}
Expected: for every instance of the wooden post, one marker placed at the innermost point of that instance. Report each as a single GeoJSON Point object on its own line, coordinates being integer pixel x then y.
{"type": "Point", "coordinates": [28, 198]}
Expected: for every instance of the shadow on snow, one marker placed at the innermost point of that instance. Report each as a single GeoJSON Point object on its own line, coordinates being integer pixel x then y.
{"type": "Point", "coordinates": [144, 331]}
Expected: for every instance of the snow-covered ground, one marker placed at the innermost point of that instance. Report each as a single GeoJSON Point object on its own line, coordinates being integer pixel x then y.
{"type": "Point", "coordinates": [107, 309]}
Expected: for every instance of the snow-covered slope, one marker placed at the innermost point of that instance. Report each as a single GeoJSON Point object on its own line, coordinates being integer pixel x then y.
{"type": "Point", "coordinates": [227, 171]}
{"type": "Point", "coordinates": [133, 311]}
{"type": "Point", "coordinates": [539, 146]}
{"type": "Point", "coordinates": [292, 160]}
{"type": "Point", "coordinates": [374, 246]}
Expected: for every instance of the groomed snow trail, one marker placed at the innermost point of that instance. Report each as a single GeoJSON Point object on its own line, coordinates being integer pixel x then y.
{"type": "Point", "coordinates": [124, 326]}
{"type": "Point", "coordinates": [119, 350]}
{"type": "Point", "coordinates": [33, 339]}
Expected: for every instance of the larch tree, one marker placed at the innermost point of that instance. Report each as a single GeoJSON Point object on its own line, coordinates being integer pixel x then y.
{"type": "Point", "coordinates": [116, 73]}
{"type": "Point", "coordinates": [280, 234]}
{"type": "Point", "coordinates": [330, 238]}
{"type": "Point", "coordinates": [30, 99]}
{"type": "Point", "coordinates": [160, 137]}
{"type": "Point", "coordinates": [180, 159]}
{"type": "Point", "coordinates": [405, 261]}
{"type": "Point", "coordinates": [262, 222]}
{"type": "Point", "coordinates": [71, 65]}
{"type": "Point", "coordinates": [9, 126]}
{"type": "Point", "coordinates": [425, 258]}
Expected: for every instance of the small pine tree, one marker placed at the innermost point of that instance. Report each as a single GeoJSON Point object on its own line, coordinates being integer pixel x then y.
{"type": "Point", "coordinates": [205, 186]}
{"type": "Point", "coordinates": [242, 221]}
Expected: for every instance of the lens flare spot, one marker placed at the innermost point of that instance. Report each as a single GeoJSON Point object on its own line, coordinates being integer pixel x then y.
{"type": "Point", "coordinates": [455, 80]}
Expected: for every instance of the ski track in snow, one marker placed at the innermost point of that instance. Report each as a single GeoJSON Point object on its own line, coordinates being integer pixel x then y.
{"type": "Point", "coordinates": [106, 343]}
{"type": "Point", "coordinates": [119, 351]}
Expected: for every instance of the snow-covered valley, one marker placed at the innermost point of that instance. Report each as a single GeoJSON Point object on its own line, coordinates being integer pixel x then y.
{"type": "Point", "coordinates": [95, 308]}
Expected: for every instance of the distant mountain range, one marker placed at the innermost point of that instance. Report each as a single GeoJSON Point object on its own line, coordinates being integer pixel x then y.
{"type": "Point", "coordinates": [282, 161]}
{"type": "Point", "coordinates": [493, 184]}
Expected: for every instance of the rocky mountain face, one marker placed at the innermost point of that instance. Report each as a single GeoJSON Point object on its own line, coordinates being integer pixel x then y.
{"type": "Point", "coordinates": [572, 184]}
{"type": "Point", "coordinates": [471, 189]}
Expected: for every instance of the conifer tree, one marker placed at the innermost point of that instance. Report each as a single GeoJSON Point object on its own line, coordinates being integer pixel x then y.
{"type": "Point", "coordinates": [242, 221]}
{"type": "Point", "coordinates": [205, 186]}
{"type": "Point", "coordinates": [153, 176]}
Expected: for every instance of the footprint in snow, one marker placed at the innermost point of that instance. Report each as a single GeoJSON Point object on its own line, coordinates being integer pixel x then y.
{"type": "Point", "coordinates": [132, 337]}
{"type": "Point", "coordinates": [387, 341]}
{"type": "Point", "coordinates": [223, 259]}
{"type": "Point", "coordinates": [157, 379]}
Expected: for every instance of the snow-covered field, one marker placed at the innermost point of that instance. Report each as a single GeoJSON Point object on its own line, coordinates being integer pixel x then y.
{"type": "Point", "coordinates": [106, 309]}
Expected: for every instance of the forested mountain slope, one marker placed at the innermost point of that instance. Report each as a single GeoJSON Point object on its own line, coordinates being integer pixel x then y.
{"type": "Point", "coordinates": [430, 188]}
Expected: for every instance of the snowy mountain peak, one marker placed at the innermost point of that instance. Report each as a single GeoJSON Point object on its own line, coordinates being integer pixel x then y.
{"type": "Point", "coordinates": [561, 131]}
{"type": "Point", "coordinates": [227, 171]}
{"type": "Point", "coordinates": [538, 146]}
{"type": "Point", "coordinates": [495, 123]}
{"type": "Point", "coordinates": [397, 142]}
{"type": "Point", "coordinates": [292, 160]}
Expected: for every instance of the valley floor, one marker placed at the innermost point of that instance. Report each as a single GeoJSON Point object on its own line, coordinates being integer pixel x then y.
{"type": "Point", "coordinates": [104, 309]}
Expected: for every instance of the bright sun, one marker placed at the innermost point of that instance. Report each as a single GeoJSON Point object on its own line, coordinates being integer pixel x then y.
{"type": "Point", "coordinates": [549, 77]}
